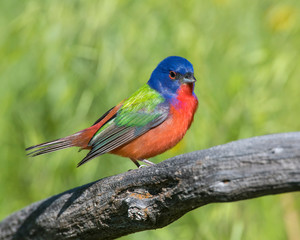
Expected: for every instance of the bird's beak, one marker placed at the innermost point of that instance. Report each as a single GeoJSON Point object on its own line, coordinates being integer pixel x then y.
{"type": "Point", "coordinates": [189, 79]}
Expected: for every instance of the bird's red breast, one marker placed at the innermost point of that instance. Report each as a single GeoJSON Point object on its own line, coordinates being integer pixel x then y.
{"type": "Point", "coordinates": [167, 134]}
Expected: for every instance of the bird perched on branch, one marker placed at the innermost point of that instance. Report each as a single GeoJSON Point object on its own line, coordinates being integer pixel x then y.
{"type": "Point", "coordinates": [152, 120]}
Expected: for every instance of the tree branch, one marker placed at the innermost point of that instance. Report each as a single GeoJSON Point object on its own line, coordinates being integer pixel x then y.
{"type": "Point", "coordinates": [153, 197]}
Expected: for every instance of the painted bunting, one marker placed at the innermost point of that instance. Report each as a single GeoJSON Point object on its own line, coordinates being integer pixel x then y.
{"type": "Point", "coordinates": [152, 120]}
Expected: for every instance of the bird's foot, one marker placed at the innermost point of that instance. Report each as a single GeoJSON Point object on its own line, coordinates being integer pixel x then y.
{"type": "Point", "coordinates": [148, 163]}
{"type": "Point", "coordinates": [141, 166]}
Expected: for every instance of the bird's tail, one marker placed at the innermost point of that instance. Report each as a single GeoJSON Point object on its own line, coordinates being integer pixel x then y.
{"type": "Point", "coordinates": [79, 139]}
{"type": "Point", "coordinates": [48, 147]}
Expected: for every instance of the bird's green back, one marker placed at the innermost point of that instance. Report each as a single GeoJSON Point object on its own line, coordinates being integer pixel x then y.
{"type": "Point", "coordinates": [138, 110]}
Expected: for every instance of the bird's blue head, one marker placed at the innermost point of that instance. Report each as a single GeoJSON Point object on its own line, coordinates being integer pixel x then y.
{"type": "Point", "coordinates": [170, 74]}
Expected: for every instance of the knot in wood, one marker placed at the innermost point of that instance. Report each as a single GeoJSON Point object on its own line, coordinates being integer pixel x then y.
{"type": "Point", "coordinates": [138, 206]}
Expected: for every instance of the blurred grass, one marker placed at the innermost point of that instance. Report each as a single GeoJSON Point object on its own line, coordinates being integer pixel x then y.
{"type": "Point", "coordinates": [64, 63]}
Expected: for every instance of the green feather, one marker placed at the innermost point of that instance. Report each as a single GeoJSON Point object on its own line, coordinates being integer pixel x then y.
{"type": "Point", "coordinates": [137, 111]}
{"type": "Point", "coordinates": [145, 97]}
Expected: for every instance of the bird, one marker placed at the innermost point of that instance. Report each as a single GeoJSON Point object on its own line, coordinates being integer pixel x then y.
{"type": "Point", "coordinates": [151, 121]}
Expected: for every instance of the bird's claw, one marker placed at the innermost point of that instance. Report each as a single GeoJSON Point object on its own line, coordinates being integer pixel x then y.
{"type": "Point", "coordinates": [147, 162]}
{"type": "Point", "coordinates": [141, 166]}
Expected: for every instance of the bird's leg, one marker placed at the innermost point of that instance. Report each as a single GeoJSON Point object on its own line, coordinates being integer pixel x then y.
{"type": "Point", "coordinates": [135, 162]}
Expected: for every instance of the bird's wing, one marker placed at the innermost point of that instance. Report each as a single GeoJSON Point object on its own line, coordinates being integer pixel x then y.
{"type": "Point", "coordinates": [144, 110]}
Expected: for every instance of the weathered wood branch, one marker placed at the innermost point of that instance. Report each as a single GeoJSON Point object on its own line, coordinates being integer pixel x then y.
{"type": "Point", "coordinates": [153, 197]}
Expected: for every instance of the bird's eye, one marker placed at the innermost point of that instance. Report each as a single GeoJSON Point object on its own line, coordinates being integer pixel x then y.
{"type": "Point", "coordinates": [172, 75]}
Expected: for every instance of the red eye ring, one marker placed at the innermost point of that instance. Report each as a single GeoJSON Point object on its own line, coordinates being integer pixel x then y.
{"type": "Point", "coordinates": [172, 75]}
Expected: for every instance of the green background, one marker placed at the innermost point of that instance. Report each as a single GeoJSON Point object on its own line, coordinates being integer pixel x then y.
{"type": "Point", "coordinates": [64, 63]}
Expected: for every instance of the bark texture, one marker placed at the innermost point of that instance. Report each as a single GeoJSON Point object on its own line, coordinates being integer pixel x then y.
{"type": "Point", "coordinates": [155, 196]}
